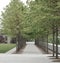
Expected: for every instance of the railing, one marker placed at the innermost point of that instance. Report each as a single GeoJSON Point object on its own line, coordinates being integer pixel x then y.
{"type": "Point", "coordinates": [50, 47]}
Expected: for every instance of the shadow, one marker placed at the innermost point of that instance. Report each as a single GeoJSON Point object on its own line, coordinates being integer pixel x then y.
{"type": "Point", "coordinates": [56, 60]}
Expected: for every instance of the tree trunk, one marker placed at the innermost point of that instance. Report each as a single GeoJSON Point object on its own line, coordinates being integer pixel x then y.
{"type": "Point", "coordinates": [57, 42]}
{"type": "Point", "coordinates": [53, 37]}
{"type": "Point", "coordinates": [47, 43]}
{"type": "Point", "coordinates": [53, 40]}
{"type": "Point", "coordinates": [18, 42]}
{"type": "Point", "coordinates": [37, 41]}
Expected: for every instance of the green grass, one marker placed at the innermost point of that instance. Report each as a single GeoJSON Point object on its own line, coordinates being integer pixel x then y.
{"type": "Point", "coordinates": [6, 47]}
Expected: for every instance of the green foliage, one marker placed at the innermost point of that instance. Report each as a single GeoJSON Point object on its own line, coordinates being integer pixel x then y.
{"type": "Point", "coordinates": [6, 47]}
{"type": "Point", "coordinates": [13, 18]}
{"type": "Point", "coordinates": [32, 21]}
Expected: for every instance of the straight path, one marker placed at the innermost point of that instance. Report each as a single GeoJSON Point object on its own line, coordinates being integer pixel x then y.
{"type": "Point", "coordinates": [31, 54]}
{"type": "Point", "coordinates": [31, 48]}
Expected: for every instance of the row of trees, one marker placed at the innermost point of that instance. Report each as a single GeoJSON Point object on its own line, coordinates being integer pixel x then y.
{"type": "Point", "coordinates": [37, 20]}
{"type": "Point", "coordinates": [45, 16]}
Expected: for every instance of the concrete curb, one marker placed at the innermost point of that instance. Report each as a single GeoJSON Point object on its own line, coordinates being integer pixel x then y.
{"type": "Point", "coordinates": [11, 51]}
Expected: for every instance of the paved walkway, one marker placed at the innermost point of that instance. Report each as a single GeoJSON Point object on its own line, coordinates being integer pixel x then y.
{"type": "Point", "coordinates": [24, 58]}
{"type": "Point", "coordinates": [31, 49]}
{"type": "Point", "coordinates": [31, 54]}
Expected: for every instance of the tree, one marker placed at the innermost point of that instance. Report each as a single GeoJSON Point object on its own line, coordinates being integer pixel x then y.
{"type": "Point", "coordinates": [12, 20]}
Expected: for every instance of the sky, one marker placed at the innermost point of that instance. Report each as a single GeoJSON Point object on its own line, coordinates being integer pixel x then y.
{"type": "Point", "coordinates": [6, 2]}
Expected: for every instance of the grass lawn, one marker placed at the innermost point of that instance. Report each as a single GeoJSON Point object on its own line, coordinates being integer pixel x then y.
{"type": "Point", "coordinates": [6, 47]}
